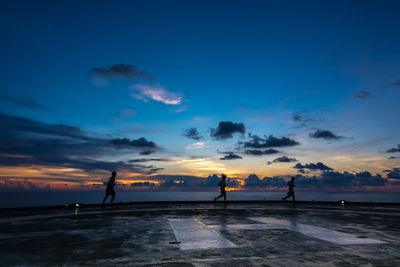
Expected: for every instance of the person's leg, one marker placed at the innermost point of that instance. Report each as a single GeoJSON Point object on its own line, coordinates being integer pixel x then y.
{"type": "Point", "coordinates": [224, 196]}
{"type": "Point", "coordinates": [105, 198]}
{"type": "Point", "coordinates": [294, 199]}
{"type": "Point", "coordinates": [218, 197]}
{"type": "Point", "coordinates": [112, 198]}
{"type": "Point", "coordinates": [287, 195]}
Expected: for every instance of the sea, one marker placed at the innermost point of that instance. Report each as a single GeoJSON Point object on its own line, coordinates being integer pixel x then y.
{"type": "Point", "coordinates": [34, 199]}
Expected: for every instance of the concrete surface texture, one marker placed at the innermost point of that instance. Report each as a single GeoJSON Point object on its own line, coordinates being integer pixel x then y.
{"type": "Point", "coordinates": [207, 234]}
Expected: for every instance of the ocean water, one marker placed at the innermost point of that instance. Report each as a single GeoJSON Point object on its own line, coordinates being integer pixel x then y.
{"type": "Point", "coordinates": [30, 199]}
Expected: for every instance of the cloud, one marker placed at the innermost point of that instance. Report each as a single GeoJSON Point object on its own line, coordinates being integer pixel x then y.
{"type": "Point", "coordinates": [259, 152]}
{"type": "Point", "coordinates": [393, 174]}
{"type": "Point", "coordinates": [282, 159]}
{"type": "Point", "coordinates": [143, 184]}
{"type": "Point", "coordinates": [146, 152]}
{"type": "Point", "coordinates": [225, 130]}
{"type": "Point", "coordinates": [345, 179]}
{"type": "Point", "coordinates": [144, 92]}
{"type": "Point", "coordinates": [391, 157]}
{"type": "Point", "coordinates": [213, 180]}
{"type": "Point", "coordinates": [300, 119]}
{"type": "Point", "coordinates": [267, 142]}
{"type": "Point", "coordinates": [312, 166]}
{"type": "Point", "coordinates": [196, 145]}
{"type": "Point", "coordinates": [26, 142]}
{"type": "Point", "coordinates": [253, 181]}
{"type": "Point", "coordinates": [121, 71]}
{"type": "Point", "coordinates": [25, 102]}
{"type": "Point", "coordinates": [230, 156]}
{"type": "Point", "coordinates": [362, 94]}
{"type": "Point", "coordinates": [297, 117]}
{"type": "Point", "coordinates": [328, 180]}
{"type": "Point", "coordinates": [394, 150]}
{"type": "Point", "coordinates": [396, 83]}
{"type": "Point", "coordinates": [192, 133]}
{"type": "Point", "coordinates": [141, 160]}
{"type": "Point", "coordinates": [13, 186]}
{"type": "Point", "coordinates": [124, 113]}
{"type": "Point", "coordinates": [141, 142]}
{"type": "Point", "coordinates": [306, 181]}
{"type": "Point", "coordinates": [21, 125]}
{"type": "Point", "coordinates": [325, 134]}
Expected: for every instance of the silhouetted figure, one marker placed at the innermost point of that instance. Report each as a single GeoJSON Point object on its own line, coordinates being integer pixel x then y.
{"type": "Point", "coordinates": [110, 187]}
{"type": "Point", "coordinates": [291, 190]}
{"type": "Point", "coordinates": [222, 185]}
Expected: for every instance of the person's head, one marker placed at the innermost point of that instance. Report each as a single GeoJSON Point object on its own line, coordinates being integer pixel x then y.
{"type": "Point", "coordinates": [114, 173]}
{"type": "Point", "coordinates": [223, 176]}
{"type": "Point", "coordinates": [292, 178]}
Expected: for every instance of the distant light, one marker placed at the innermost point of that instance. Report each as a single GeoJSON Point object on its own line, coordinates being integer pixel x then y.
{"type": "Point", "coordinates": [342, 201]}
{"type": "Point", "coordinates": [66, 204]}
{"type": "Point", "coordinates": [77, 205]}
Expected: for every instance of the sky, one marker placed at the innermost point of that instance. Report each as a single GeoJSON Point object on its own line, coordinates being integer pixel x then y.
{"type": "Point", "coordinates": [168, 93]}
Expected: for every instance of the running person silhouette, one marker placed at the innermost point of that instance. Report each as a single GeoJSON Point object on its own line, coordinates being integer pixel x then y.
{"type": "Point", "coordinates": [291, 190]}
{"type": "Point", "coordinates": [110, 187]}
{"type": "Point", "coordinates": [222, 185]}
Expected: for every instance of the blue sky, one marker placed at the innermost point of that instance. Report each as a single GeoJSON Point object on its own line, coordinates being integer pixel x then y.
{"type": "Point", "coordinates": [335, 64]}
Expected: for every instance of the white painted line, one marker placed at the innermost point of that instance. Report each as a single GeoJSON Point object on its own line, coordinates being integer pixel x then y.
{"type": "Point", "coordinates": [317, 232]}
{"type": "Point", "coordinates": [195, 235]}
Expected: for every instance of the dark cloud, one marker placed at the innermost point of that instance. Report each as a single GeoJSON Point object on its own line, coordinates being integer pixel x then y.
{"type": "Point", "coordinates": [13, 186]}
{"type": "Point", "coordinates": [312, 166]}
{"type": "Point", "coordinates": [225, 130]}
{"type": "Point", "coordinates": [26, 142]}
{"type": "Point", "coordinates": [300, 119]}
{"type": "Point", "coordinates": [394, 173]}
{"type": "Point", "coordinates": [143, 184]}
{"type": "Point", "coordinates": [121, 71]}
{"type": "Point", "coordinates": [146, 152]}
{"type": "Point", "coordinates": [141, 142]}
{"type": "Point", "coordinates": [213, 180]}
{"type": "Point", "coordinates": [141, 160]}
{"type": "Point", "coordinates": [328, 180]}
{"type": "Point", "coordinates": [346, 179]}
{"type": "Point", "coordinates": [325, 134]}
{"type": "Point", "coordinates": [297, 117]}
{"type": "Point", "coordinates": [362, 94]}
{"type": "Point", "coordinates": [16, 125]}
{"type": "Point", "coordinates": [230, 156]}
{"type": "Point", "coordinates": [267, 142]}
{"type": "Point", "coordinates": [396, 83]}
{"type": "Point", "coordinates": [282, 159]}
{"type": "Point", "coordinates": [394, 150]}
{"type": "Point", "coordinates": [391, 157]}
{"type": "Point", "coordinates": [306, 182]}
{"type": "Point", "coordinates": [253, 181]}
{"type": "Point", "coordinates": [260, 152]}
{"type": "Point", "coordinates": [25, 102]}
{"type": "Point", "coordinates": [192, 133]}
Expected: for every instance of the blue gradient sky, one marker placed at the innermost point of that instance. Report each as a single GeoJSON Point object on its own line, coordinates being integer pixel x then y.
{"type": "Point", "coordinates": [254, 62]}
